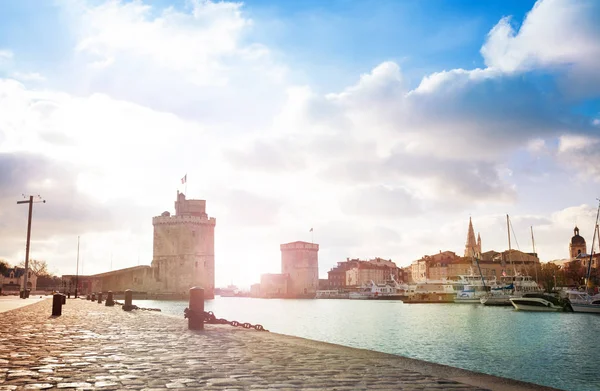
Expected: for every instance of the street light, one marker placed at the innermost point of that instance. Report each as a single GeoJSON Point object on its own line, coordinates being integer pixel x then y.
{"type": "Point", "coordinates": [25, 277]}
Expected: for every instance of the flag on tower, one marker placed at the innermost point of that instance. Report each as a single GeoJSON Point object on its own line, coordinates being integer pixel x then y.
{"type": "Point", "coordinates": [310, 230]}
{"type": "Point", "coordinates": [184, 179]}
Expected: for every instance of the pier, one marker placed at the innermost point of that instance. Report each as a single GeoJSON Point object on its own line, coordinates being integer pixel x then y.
{"type": "Point", "coordinates": [91, 346]}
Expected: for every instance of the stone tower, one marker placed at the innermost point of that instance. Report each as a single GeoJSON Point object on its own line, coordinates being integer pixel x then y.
{"type": "Point", "coordinates": [184, 248]}
{"type": "Point", "coordinates": [300, 260]}
{"type": "Point", "coordinates": [472, 247]}
{"type": "Point", "coordinates": [577, 245]}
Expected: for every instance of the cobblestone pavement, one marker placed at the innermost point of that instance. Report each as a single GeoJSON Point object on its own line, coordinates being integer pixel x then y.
{"type": "Point", "coordinates": [96, 347]}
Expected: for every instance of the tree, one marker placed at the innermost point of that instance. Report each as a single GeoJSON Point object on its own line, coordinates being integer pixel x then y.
{"type": "Point", "coordinates": [39, 268]}
{"type": "Point", "coordinates": [3, 266]}
{"type": "Point", "coordinates": [575, 272]}
{"type": "Point", "coordinates": [551, 276]}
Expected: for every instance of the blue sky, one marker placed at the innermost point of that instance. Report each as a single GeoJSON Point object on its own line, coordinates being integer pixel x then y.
{"type": "Point", "coordinates": [382, 124]}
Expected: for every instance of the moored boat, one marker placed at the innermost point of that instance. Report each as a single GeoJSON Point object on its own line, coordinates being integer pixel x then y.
{"type": "Point", "coordinates": [378, 292]}
{"type": "Point", "coordinates": [431, 292]}
{"type": "Point", "coordinates": [541, 302]}
{"type": "Point", "coordinates": [582, 302]}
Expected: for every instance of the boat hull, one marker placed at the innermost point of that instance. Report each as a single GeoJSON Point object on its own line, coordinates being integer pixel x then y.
{"type": "Point", "coordinates": [535, 305]}
{"type": "Point", "coordinates": [587, 308]}
{"type": "Point", "coordinates": [496, 301]}
{"type": "Point", "coordinates": [470, 300]}
{"type": "Point", "coordinates": [422, 298]}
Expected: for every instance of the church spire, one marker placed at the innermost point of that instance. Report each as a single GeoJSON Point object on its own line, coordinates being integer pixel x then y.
{"type": "Point", "coordinates": [479, 243]}
{"type": "Point", "coordinates": [471, 245]}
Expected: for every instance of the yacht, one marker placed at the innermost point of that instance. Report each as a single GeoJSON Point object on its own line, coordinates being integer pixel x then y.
{"type": "Point", "coordinates": [331, 294]}
{"type": "Point", "coordinates": [375, 291]}
{"type": "Point", "coordinates": [510, 286]}
{"type": "Point", "coordinates": [542, 302]}
{"type": "Point", "coordinates": [582, 302]}
{"type": "Point", "coordinates": [441, 291]}
{"type": "Point", "coordinates": [470, 289]}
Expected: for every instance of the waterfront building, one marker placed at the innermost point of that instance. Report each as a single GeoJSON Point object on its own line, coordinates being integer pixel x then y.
{"type": "Point", "coordinates": [337, 275]}
{"type": "Point", "coordinates": [363, 274]}
{"type": "Point", "coordinates": [300, 261]}
{"type": "Point", "coordinates": [183, 255]}
{"type": "Point", "coordinates": [12, 280]}
{"type": "Point", "coordinates": [274, 285]}
{"type": "Point", "coordinates": [184, 248]}
{"type": "Point", "coordinates": [356, 272]}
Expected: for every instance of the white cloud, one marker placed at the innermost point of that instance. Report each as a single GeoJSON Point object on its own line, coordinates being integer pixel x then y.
{"type": "Point", "coordinates": [556, 34]}
{"type": "Point", "coordinates": [6, 55]}
{"type": "Point", "coordinates": [154, 93]}
{"type": "Point", "coordinates": [28, 76]}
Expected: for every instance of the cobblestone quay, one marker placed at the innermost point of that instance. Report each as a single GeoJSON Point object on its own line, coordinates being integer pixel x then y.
{"type": "Point", "coordinates": [92, 346]}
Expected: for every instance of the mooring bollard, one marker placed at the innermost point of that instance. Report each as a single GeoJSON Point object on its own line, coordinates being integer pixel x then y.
{"type": "Point", "coordinates": [57, 304]}
{"type": "Point", "coordinates": [128, 306]}
{"type": "Point", "coordinates": [109, 299]}
{"type": "Point", "coordinates": [64, 298]}
{"type": "Point", "coordinates": [88, 297]}
{"type": "Point", "coordinates": [94, 296]}
{"type": "Point", "coordinates": [99, 297]}
{"type": "Point", "coordinates": [68, 295]}
{"type": "Point", "coordinates": [196, 309]}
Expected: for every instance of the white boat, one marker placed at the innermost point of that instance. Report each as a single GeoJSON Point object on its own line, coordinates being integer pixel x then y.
{"type": "Point", "coordinates": [441, 291]}
{"type": "Point", "coordinates": [582, 302]}
{"type": "Point", "coordinates": [541, 302]}
{"type": "Point", "coordinates": [375, 291]}
{"type": "Point", "coordinates": [470, 289]}
{"type": "Point", "coordinates": [510, 286]}
{"type": "Point", "coordinates": [331, 294]}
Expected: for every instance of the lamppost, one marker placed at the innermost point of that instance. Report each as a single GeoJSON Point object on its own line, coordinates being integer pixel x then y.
{"type": "Point", "coordinates": [77, 269]}
{"type": "Point", "coordinates": [30, 201]}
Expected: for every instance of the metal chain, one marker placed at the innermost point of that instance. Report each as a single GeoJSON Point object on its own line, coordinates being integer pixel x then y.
{"type": "Point", "coordinates": [210, 318]}
{"type": "Point", "coordinates": [135, 307]}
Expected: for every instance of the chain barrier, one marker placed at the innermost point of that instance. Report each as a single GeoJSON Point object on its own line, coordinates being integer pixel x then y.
{"type": "Point", "coordinates": [210, 318]}
{"type": "Point", "coordinates": [135, 307]}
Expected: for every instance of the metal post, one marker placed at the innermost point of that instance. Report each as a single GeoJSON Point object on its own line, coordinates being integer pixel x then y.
{"type": "Point", "coordinates": [128, 306]}
{"type": "Point", "coordinates": [64, 298]}
{"type": "Point", "coordinates": [196, 318]}
{"type": "Point", "coordinates": [77, 269]}
{"type": "Point", "coordinates": [93, 296]}
{"type": "Point", "coordinates": [109, 299]}
{"type": "Point", "coordinates": [56, 304]}
{"type": "Point", "coordinates": [99, 297]}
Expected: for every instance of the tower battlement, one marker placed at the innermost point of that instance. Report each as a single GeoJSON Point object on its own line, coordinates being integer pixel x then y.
{"type": "Point", "coordinates": [299, 246]}
{"type": "Point", "coordinates": [173, 220]}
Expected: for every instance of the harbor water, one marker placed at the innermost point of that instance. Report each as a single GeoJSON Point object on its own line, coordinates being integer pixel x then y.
{"type": "Point", "coordinates": [560, 350]}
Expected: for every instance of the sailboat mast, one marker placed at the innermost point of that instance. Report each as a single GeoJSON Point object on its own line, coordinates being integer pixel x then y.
{"type": "Point", "coordinates": [509, 248]}
{"type": "Point", "coordinates": [533, 244]}
{"type": "Point", "coordinates": [589, 269]}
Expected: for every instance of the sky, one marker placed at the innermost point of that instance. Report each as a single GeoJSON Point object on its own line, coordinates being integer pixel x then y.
{"type": "Point", "coordinates": [383, 125]}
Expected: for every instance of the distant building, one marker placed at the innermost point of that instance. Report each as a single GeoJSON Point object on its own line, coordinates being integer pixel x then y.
{"type": "Point", "coordinates": [274, 285]}
{"type": "Point", "coordinates": [577, 245]}
{"type": "Point", "coordinates": [184, 248]}
{"type": "Point", "coordinates": [337, 275]}
{"type": "Point", "coordinates": [183, 255]}
{"type": "Point", "coordinates": [356, 272]}
{"type": "Point", "coordinates": [472, 246]}
{"type": "Point", "coordinates": [300, 260]}
{"type": "Point", "coordinates": [12, 280]}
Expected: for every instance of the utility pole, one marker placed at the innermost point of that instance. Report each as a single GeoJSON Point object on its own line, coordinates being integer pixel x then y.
{"type": "Point", "coordinates": [77, 269]}
{"type": "Point", "coordinates": [25, 294]}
